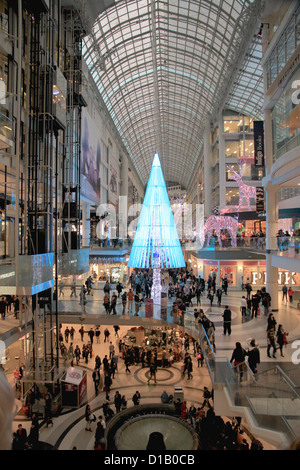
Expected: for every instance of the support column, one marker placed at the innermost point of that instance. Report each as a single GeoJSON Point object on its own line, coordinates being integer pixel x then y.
{"type": "Point", "coordinates": [123, 200]}
{"type": "Point", "coordinates": [271, 194]}
{"type": "Point", "coordinates": [271, 197]}
{"type": "Point", "coordinates": [86, 225]}
{"type": "Point", "coordinates": [124, 176]}
{"type": "Point", "coordinates": [222, 165]}
{"type": "Point", "coordinates": [207, 169]}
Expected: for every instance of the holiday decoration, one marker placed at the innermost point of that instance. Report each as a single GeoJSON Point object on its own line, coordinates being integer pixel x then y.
{"type": "Point", "coordinates": [216, 223]}
{"type": "Point", "coordinates": [156, 244]}
{"type": "Point", "coordinates": [246, 191]}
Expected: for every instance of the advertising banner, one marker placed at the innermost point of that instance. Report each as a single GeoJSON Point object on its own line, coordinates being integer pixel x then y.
{"type": "Point", "coordinates": [260, 200]}
{"type": "Point", "coordinates": [90, 159]}
{"type": "Point", "coordinates": [259, 148]}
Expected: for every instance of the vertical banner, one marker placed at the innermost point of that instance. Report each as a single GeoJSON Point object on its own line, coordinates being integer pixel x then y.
{"type": "Point", "coordinates": [148, 308]}
{"type": "Point", "coordinates": [90, 158]}
{"type": "Point", "coordinates": [259, 147]}
{"type": "Point", "coordinates": [260, 200]}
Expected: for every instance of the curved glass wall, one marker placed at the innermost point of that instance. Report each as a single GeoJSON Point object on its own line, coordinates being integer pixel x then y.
{"type": "Point", "coordinates": [286, 119]}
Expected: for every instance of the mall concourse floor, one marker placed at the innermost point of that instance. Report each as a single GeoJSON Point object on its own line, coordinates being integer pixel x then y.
{"type": "Point", "coordinates": [68, 430]}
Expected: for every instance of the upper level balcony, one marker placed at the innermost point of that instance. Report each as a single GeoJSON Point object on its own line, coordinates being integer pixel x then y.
{"type": "Point", "coordinates": [6, 132]}
{"type": "Point", "coordinates": [283, 246]}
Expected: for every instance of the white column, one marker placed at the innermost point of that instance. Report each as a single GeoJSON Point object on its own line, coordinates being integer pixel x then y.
{"type": "Point", "coordinates": [268, 140]}
{"type": "Point", "coordinates": [123, 200]}
{"type": "Point", "coordinates": [86, 225]}
{"type": "Point", "coordinates": [222, 165]}
{"type": "Point", "coordinates": [207, 169]}
{"type": "Point", "coordinates": [271, 197]}
{"type": "Point", "coordinates": [124, 176]}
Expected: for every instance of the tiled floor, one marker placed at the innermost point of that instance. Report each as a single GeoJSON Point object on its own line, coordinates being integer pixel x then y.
{"type": "Point", "coordinates": [69, 428]}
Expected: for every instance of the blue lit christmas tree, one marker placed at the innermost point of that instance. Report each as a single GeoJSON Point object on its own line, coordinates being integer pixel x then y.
{"type": "Point", "coordinates": [156, 244]}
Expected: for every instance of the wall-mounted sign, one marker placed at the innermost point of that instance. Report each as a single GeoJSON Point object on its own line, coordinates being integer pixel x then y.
{"type": "Point", "coordinates": [284, 278]}
{"type": "Point", "coordinates": [260, 200]}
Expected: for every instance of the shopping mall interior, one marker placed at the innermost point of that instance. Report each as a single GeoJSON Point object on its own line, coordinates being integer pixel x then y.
{"type": "Point", "coordinates": [149, 225]}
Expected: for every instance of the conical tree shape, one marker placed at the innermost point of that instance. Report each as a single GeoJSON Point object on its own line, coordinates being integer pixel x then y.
{"type": "Point", "coordinates": [156, 243]}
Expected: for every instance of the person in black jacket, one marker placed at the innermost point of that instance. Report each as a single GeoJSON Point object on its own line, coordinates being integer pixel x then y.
{"type": "Point", "coordinates": [238, 358]}
{"type": "Point", "coordinates": [136, 398]}
{"type": "Point", "coordinates": [118, 401]}
{"type": "Point", "coordinates": [253, 356]}
{"type": "Point", "coordinates": [227, 320]}
{"type": "Point", "coordinates": [255, 305]}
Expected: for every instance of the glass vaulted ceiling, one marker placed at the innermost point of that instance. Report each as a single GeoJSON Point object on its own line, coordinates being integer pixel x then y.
{"type": "Point", "coordinates": [162, 65]}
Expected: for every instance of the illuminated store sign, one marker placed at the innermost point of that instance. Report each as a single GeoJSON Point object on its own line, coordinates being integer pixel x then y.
{"type": "Point", "coordinates": [284, 277]}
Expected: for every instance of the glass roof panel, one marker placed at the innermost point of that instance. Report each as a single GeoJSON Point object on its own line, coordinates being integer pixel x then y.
{"type": "Point", "coordinates": [160, 66]}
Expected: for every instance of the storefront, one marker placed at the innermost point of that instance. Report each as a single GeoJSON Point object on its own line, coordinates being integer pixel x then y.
{"type": "Point", "coordinates": [242, 271]}
{"type": "Point", "coordinates": [109, 268]}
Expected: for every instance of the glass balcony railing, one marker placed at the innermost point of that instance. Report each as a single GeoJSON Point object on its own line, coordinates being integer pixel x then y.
{"type": "Point", "coordinates": [108, 244]}
{"type": "Point", "coordinates": [6, 132]}
{"type": "Point", "coordinates": [285, 246]}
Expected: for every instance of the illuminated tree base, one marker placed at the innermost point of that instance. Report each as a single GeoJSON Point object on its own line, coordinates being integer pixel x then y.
{"type": "Point", "coordinates": [156, 292]}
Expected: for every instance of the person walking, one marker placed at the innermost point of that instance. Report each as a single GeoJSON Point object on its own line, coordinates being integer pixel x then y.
{"type": "Point", "coordinates": [81, 331]}
{"type": "Point", "coordinates": [184, 411]}
{"type": "Point", "coordinates": [113, 304]}
{"type": "Point", "coordinates": [255, 305]}
{"type": "Point", "coordinates": [130, 297]}
{"type": "Point", "coordinates": [137, 304]}
{"type": "Point", "coordinates": [227, 321]}
{"type": "Point", "coordinates": [243, 306]}
{"type": "Point", "coordinates": [106, 303]}
{"type": "Point", "coordinates": [152, 372]}
{"type": "Point", "coordinates": [253, 354]}
{"type": "Point", "coordinates": [127, 362]}
{"type": "Point", "coordinates": [189, 368]}
{"type": "Point", "coordinates": [248, 290]}
{"type": "Point", "coordinates": [73, 289]}
{"type": "Point", "coordinates": [118, 401]}
{"type": "Point", "coordinates": [96, 379]}
{"type": "Point", "coordinates": [106, 335]}
{"type": "Point", "coordinates": [107, 383]}
{"type": "Point", "coordinates": [280, 339]}
{"type": "Point", "coordinates": [124, 302]}
{"type": "Point", "coordinates": [271, 322]}
{"type": "Point", "coordinates": [219, 296]}
{"type": "Point", "coordinates": [116, 328]}
{"type": "Point", "coordinates": [284, 293]}
{"type": "Point", "coordinates": [290, 294]}
{"type": "Point", "coordinates": [77, 354]}
{"type": "Point", "coordinates": [238, 358]}
{"type": "Point", "coordinates": [271, 341]}
{"type": "Point", "coordinates": [97, 334]}
{"type": "Point", "coordinates": [61, 288]}
{"type": "Point", "coordinates": [97, 362]}
{"type": "Point", "coordinates": [91, 334]}
{"type": "Point", "coordinates": [200, 357]}
{"type": "Point", "coordinates": [206, 395]}
{"type": "Point", "coordinates": [111, 350]}
{"type": "Point", "coordinates": [88, 418]}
